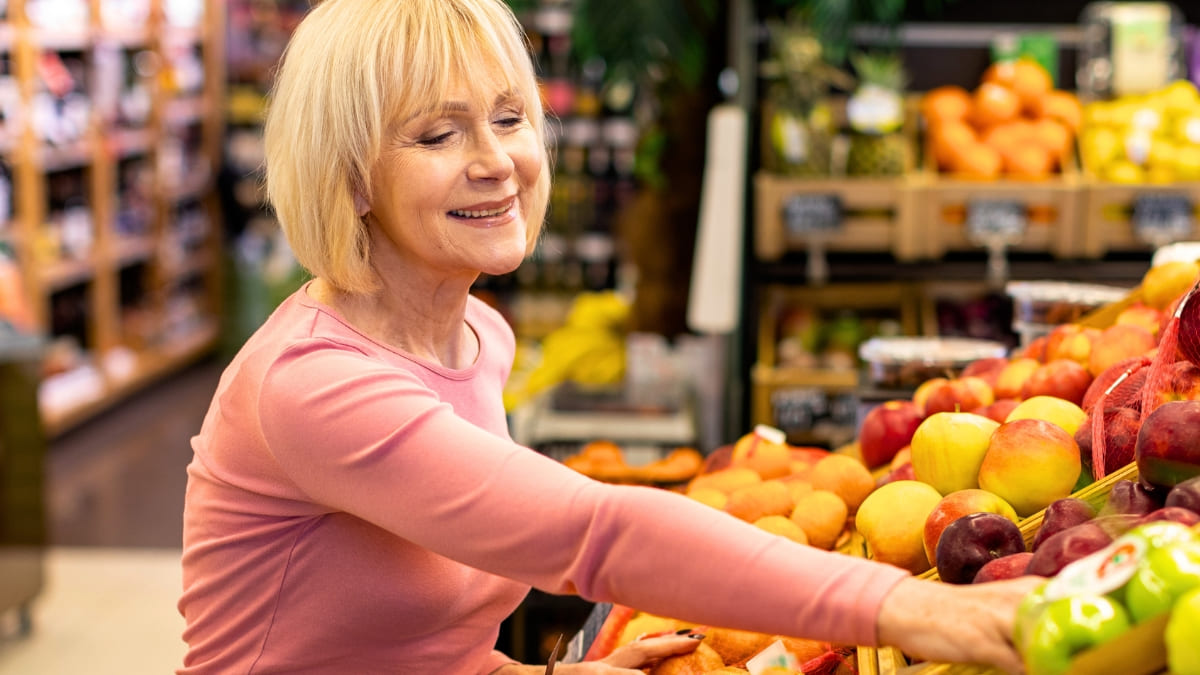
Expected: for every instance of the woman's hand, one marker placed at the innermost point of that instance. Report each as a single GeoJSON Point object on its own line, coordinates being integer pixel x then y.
{"type": "Point", "coordinates": [955, 624]}
{"type": "Point", "coordinates": [625, 660]}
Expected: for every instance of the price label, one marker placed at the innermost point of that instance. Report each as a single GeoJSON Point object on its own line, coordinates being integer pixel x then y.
{"type": "Point", "coordinates": [1162, 218]}
{"type": "Point", "coordinates": [809, 214]}
{"type": "Point", "coordinates": [990, 220]}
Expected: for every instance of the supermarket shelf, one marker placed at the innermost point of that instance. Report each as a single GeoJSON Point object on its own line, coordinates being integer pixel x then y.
{"type": "Point", "coordinates": [62, 274]}
{"type": "Point", "coordinates": [148, 367]}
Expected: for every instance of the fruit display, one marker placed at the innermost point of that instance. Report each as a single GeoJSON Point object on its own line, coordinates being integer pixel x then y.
{"type": "Point", "coordinates": [1144, 580]}
{"type": "Point", "coordinates": [1014, 124]}
{"type": "Point", "coordinates": [604, 460]}
{"type": "Point", "coordinates": [875, 115]}
{"type": "Point", "coordinates": [1151, 138]}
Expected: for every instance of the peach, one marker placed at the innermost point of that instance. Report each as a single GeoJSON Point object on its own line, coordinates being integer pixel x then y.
{"type": "Point", "coordinates": [1063, 378]}
{"type": "Point", "coordinates": [892, 521]}
{"type": "Point", "coordinates": [764, 450]}
{"type": "Point", "coordinates": [1117, 343]}
{"type": "Point", "coordinates": [885, 429]}
{"type": "Point", "coordinates": [822, 515]}
{"type": "Point", "coordinates": [1030, 463]}
{"type": "Point", "coordinates": [844, 476]}
{"type": "Point", "coordinates": [956, 505]}
{"type": "Point", "coordinates": [770, 497]}
{"type": "Point", "coordinates": [1011, 380]}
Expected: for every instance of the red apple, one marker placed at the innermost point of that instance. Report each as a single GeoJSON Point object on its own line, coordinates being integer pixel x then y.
{"type": "Point", "coordinates": [1010, 566]}
{"type": "Point", "coordinates": [1030, 463]}
{"type": "Point", "coordinates": [1120, 438]}
{"type": "Point", "coordinates": [1182, 383]}
{"type": "Point", "coordinates": [1125, 497]}
{"type": "Point", "coordinates": [1063, 378]}
{"type": "Point", "coordinates": [956, 505]}
{"type": "Point", "coordinates": [1070, 341]}
{"type": "Point", "coordinates": [1140, 314]}
{"type": "Point", "coordinates": [1168, 445]}
{"type": "Point", "coordinates": [1131, 374]}
{"type": "Point", "coordinates": [902, 472]}
{"type": "Point", "coordinates": [1066, 547]}
{"type": "Point", "coordinates": [1036, 349]}
{"type": "Point", "coordinates": [988, 369]}
{"type": "Point", "coordinates": [1118, 343]}
{"type": "Point", "coordinates": [1185, 495]}
{"type": "Point", "coordinates": [1176, 514]}
{"type": "Point", "coordinates": [973, 540]}
{"type": "Point", "coordinates": [1062, 514]}
{"type": "Point", "coordinates": [998, 410]}
{"type": "Point", "coordinates": [921, 393]}
{"type": "Point", "coordinates": [1012, 378]}
{"type": "Point", "coordinates": [961, 394]}
{"type": "Point", "coordinates": [886, 429]}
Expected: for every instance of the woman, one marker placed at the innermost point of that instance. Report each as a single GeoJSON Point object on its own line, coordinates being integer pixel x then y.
{"type": "Point", "coordinates": [355, 504]}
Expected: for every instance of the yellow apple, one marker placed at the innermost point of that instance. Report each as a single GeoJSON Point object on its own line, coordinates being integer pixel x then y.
{"type": "Point", "coordinates": [948, 448]}
{"type": "Point", "coordinates": [892, 521]}
{"type": "Point", "coordinates": [1052, 409]}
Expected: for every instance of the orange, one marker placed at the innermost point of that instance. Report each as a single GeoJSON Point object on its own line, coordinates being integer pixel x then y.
{"type": "Point", "coordinates": [977, 161]}
{"type": "Point", "coordinates": [1054, 136]}
{"type": "Point", "coordinates": [1029, 162]}
{"type": "Point", "coordinates": [946, 137]}
{"type": "Point", "coordinates": [945, 104]}
{"type": "Point", "coordinates": [844, 476]}
{"type": "Point", "coordinates": [994, 103]}
{"type": "Point", "coordinates": [1062, 106]}
{"type": "Point", "coordinates": [822, 515]}
{"type": "Point", "coordinates": [1025, 77]}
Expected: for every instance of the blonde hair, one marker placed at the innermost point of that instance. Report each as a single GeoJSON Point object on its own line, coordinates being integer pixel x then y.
{"type": "Point", "coordinates": [352, 67]}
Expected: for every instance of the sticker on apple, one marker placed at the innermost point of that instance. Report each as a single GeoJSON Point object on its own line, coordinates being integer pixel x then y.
{"type": "Point", "coordinates": [1102, 572]}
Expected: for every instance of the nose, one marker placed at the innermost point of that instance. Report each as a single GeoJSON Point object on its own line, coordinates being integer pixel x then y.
{"type": "Point", "coordinates": [489, 158]}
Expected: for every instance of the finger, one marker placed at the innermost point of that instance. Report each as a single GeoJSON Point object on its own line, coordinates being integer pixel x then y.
{"type": "Point", "coordinates": [639, 652]}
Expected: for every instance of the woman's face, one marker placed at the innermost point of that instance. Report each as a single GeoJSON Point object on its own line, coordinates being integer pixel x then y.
{"type": "Point", "coordinates": [452, 186]}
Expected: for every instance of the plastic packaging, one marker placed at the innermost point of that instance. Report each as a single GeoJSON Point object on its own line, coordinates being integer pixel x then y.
{"type": "Point", "coordinates": [906, 362]}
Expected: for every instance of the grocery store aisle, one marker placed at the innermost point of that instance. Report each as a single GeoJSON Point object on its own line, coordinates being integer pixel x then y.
{"type": "Point", "coordinates": [114, 493]}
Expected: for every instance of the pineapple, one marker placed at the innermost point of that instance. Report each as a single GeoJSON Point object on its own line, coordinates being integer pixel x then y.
{"type": "Point", "coordinates": [799, 123]}
{"type": "Point", "coordinates": [875, 113]}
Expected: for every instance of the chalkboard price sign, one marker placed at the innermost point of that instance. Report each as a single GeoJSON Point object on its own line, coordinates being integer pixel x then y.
{"type": "Point", "coordinates": [813, 213]}
{"type": "Point", "coordinates": [996, 220]}
{"type": "Point", "coordinates": [1162, 218]}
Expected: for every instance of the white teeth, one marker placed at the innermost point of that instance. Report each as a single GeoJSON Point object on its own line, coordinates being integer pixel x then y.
{"type": "Point", "coordinates": [480, 214]}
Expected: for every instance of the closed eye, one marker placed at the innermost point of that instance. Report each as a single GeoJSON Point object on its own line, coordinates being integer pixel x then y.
{"type": "Point", "coordinates": [435, 140]}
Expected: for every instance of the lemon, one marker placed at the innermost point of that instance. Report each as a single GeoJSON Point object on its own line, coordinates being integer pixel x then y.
{"type": "Point", "coordinates": [1180, 95]}
{"type": "Point", "coordinates": [1099, 146]}
{"type": "Point", "coordinates": [1187, 162]}
{"type": "Point", "coordinates": [1125, 172]}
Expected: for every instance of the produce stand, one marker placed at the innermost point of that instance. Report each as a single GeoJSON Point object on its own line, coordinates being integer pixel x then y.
{"type": "Point", "coordinates": [1119, 217]}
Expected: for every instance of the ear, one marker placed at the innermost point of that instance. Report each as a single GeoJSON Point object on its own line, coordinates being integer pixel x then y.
{"type": "Point", "coordinates": [361, 207]}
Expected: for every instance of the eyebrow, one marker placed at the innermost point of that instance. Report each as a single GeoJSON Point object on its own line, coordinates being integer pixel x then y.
{"type": "Point", "coordinates": [459, 106]}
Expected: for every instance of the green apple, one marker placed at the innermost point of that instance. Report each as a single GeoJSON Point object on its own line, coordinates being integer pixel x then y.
{"type": "Point", "coordinates": [1070, 625]}
{"type": "Point", "coordinates": [1182, 635]}
{"type": "Point", "coordinates": [1166, 574]}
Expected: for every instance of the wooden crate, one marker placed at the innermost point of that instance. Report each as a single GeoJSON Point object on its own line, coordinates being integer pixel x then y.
{"type": "Point", "coordinates": [1050, 210]}
{"type": "Point", "coordinates": [1112, 215]}
{"type": "Point", "coordinates": [769, 376]}
{"type": "Point", "coordinates": [874, 215]}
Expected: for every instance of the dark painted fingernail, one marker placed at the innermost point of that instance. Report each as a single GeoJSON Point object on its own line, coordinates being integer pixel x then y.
{"type": "Point", "coordinates": [684, 631]}
{"type": "Point", "coordinates": [697, 636]}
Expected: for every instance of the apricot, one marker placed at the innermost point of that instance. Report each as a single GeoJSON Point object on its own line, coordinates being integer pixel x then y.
{"type": "Point", "coordinates": [735, 646]}
{"type": "Point", "coordinates": [726, 480]}
{"type": "Point", "coordinates": [697, 662]}
{"type": "Point", "coordinates": [782, 526]}
{"type": "Point", "coordinates": [844, 476]}
{"type": "Point", "coordinates": [770, 497]}
{"type": "Point", "coordinates": [710, 497]}
{"type": "Point", "coordinates": [822, 515]}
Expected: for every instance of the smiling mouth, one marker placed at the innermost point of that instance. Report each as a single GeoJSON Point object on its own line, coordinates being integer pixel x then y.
{"type": "Point", "coordinates": [486, 213]}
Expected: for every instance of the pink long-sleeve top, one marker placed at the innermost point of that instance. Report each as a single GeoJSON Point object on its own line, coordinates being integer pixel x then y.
{"type": "Point", "coordinates": [353, 509]}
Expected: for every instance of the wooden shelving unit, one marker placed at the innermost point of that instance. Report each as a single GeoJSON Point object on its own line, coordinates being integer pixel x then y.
{"type": "Point", "coordinates": [134, 286]}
